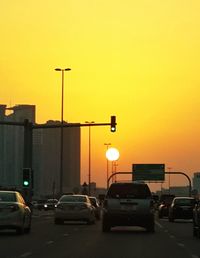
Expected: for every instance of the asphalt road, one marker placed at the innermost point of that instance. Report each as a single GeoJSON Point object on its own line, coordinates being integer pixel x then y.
{"type": "Point", "coordinates": [78, 240]}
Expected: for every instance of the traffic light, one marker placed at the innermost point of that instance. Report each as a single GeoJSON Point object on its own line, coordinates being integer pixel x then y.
{"type": "Point", "coordinates": [26, 177]}
{"type": "Point", "coordinates": [113, 124]}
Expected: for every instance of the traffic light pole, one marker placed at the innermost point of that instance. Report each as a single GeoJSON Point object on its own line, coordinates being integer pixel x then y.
{"type": "Point", "coordinates": [28, 137]}
{"type": "Point", "coordinates": [27, 162]}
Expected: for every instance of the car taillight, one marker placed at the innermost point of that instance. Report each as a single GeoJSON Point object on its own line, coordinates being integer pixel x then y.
{"type": "Point", "coordinates": [83, 206]}
{"type": "Point", "coordinates": [14, 208]}
{"type": "Point", "coordinates": [59, 207]}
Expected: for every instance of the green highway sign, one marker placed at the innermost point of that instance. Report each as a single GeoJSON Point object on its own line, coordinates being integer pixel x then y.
{"type": "Point", "coordinates": [148, 172]}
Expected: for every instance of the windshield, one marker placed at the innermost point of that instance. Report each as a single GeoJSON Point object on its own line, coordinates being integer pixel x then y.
{"type": "Point", "coordinates": [73, 198]}
{"type": "Point", "coordinates": [183, 202]}
{"type": "Point", "coordinates": [138, 191]}
{"type": "Point", "coordinates": [7, 197]}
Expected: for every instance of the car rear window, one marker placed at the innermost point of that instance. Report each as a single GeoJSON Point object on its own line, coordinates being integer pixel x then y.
{"type": "Point", "coordinates": [184, 202]}
{"type": "Point", "coordinates": [7, 197]}
{"type": "Point", "coordinates": [73, 198]}
{"type": "Point", "coordinates": [137, 191]}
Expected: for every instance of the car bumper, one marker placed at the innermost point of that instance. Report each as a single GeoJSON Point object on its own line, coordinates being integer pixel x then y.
{"type": "Point", "coordinates": [73, 215]}
{"type": "Point", "coordinates": [11, 220]}
{"type": "Point", "coordinates": [131, 219]}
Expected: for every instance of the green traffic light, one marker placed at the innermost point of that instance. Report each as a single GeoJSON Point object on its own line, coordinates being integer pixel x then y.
{"type": "Point", "coordinates": [113, 129]}
{"type": "Point", "coordinates": [113, 124]}
{"type": "Point", "coordinates": [26, 183]}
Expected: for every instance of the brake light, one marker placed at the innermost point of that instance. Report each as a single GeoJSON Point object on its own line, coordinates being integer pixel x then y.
{"type": "Point", "coordinates": [60, 207]}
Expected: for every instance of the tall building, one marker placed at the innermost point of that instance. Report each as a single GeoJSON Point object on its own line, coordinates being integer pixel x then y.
{"type": "Point", "coordinates": [12, 143]}
{"type": "Point", "coordinates": [46, 159]}
{"type": "Point", "coordinates": [45, 154]}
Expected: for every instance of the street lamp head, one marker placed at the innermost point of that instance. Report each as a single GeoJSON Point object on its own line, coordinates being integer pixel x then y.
{"type": "Point", "coordinates": [65, 69]}
{"type": "Point", "coordinates": [89, 122]}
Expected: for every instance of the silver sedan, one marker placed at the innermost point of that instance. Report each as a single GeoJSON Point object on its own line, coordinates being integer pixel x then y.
{"type": "Point", "coordinates": [14, 213]}
{"type": "Point", "coordinates": [74, 208]}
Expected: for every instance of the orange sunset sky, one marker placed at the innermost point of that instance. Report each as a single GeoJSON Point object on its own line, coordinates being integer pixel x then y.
{"type": "Point", "coordinates": [138, 60]}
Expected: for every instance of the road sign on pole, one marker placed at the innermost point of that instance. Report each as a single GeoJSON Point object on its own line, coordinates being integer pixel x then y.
{"type": "Point", "coordinates": [148, 172]}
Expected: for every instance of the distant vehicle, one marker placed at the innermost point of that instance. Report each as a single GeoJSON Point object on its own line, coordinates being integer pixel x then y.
{"type": "Point", "coordinates": [128, 204]}
{"type": "Point", "coordinates": [74, 207]}
{"type": "Point", "coordinates": [34, 204]}
{"type": "Point", "coordinates": [196, 219]}
{"type": "Point", "coordinates": [165, 202]}
{"type": "Point", "coordinates": [181, 208]}
{"type": "Point", "coordinates": [155, 197]}
{"type": "Point", "coordinates": [40, 204]}
{"type": "Point", "coordinates": [14, 212]}
{"type": "Point", "coordinates": [50, 204]}
{"type": "Point", "coordinates": [97, 207]}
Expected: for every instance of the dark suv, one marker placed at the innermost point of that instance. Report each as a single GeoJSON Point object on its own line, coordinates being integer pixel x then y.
{"type": "Point", "coordinates": [128, 204]}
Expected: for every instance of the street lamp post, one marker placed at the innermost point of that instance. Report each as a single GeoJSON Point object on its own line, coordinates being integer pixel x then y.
{"type": "Point", "coordinates": [107, 168]}
{"type": "Point", "coordinates": [169, 168]}
{"type": "Point", "coordinates": [89, 157]}
{"type": "Point", "coordinates": [61, 128]}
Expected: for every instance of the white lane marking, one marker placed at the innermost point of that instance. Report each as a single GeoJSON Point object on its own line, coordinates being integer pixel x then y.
{"type": "Point", "coordinates": [66, 234]}
{"type": "Point", "coordinates": [49, 242]}
{"type": "Point", "coordinates": [158, 224]}
{"type": "Point", "coordinates": [26, 254]}
{"type": "Point", "coordinates": [195, 256]}
{"type": "Point", "coordinates": [180, 244]}
{"type": "Point", "coordinates": [171, 236]}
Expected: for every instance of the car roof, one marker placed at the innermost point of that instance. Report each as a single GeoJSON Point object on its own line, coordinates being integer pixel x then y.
{"type": "Point", "coordinates": [8, 191]}
{"type": "Point", "coordinates": [181, 197]}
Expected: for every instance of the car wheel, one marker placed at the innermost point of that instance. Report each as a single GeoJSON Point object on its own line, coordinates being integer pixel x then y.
{"type": "Point", "coordinates": [28, 229]}
{"type": "Point", "coordinates": [105, 226]}
{"type": "Point", "coordinates": [91, 221]}
{"type": "Point", "coordinates": [198, 232]}
{"type": "Point", "coordinates": [20, 230]}
{"type": "Point", "coordinates": [194, 231]}
{"type": "Point", "coordinates": [151, 228]}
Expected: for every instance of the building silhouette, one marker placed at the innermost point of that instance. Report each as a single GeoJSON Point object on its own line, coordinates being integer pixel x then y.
{"type": "Point", "coordinates": [45, 157]}
{"type": "Point", "coordinates": [196, 181]}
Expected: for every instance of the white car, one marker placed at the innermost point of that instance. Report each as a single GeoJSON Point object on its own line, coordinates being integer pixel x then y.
{"type": "Point", "coordinates": [50, 204]}
{"type": "Point", "coordinates": [14, 213]}
{"type": "Point", "coordinates": [74, 208]}
{"type": "Point", "coordinates": [97, 207]}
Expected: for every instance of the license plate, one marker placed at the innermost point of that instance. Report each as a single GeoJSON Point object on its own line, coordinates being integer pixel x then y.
{"type": "Point", "coordinates": [128, 207]}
